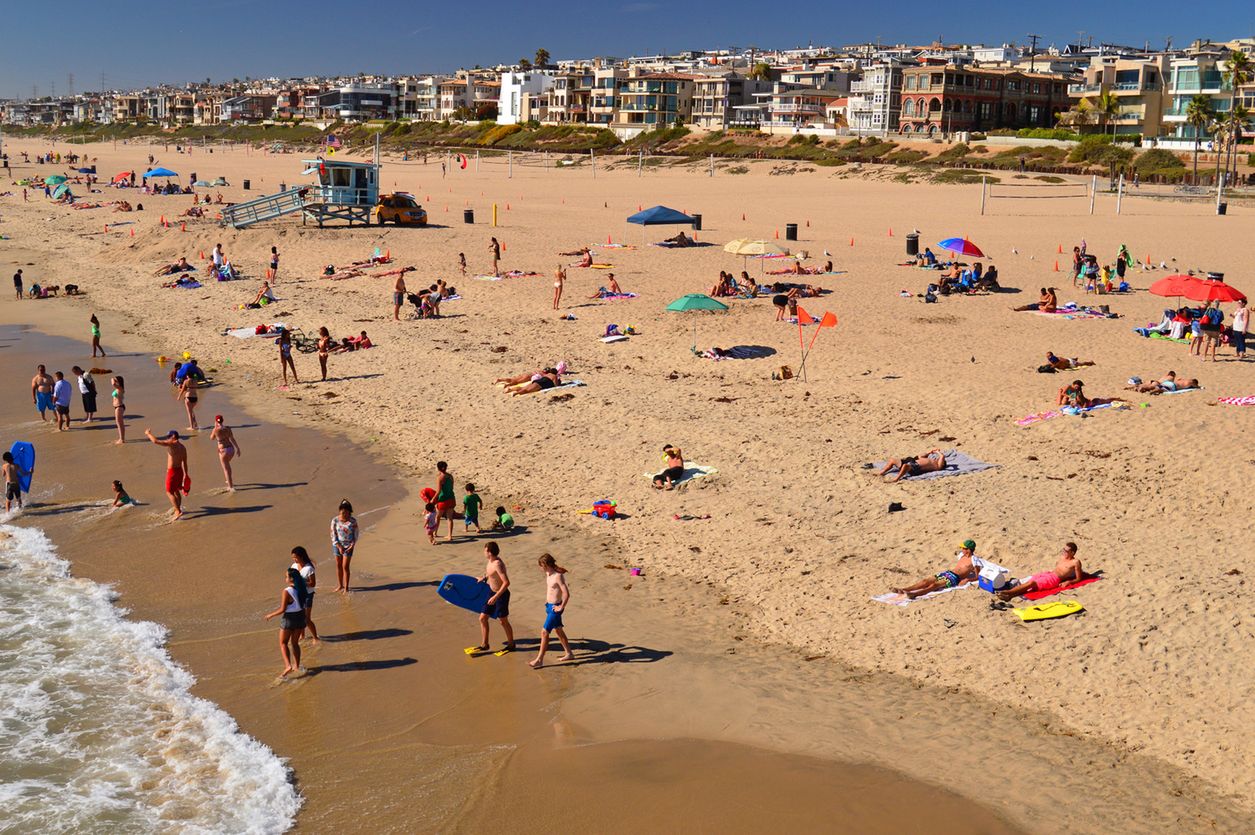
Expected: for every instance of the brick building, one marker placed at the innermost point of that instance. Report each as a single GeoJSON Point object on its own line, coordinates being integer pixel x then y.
{"type": "Point", "coordinates": [946, 99]}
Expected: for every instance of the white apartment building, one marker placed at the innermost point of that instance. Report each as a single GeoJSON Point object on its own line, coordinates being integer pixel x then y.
{"type": "Point", "coordinates": [515, 86]}
{"type": "Point", "coordinates": [875, 100]}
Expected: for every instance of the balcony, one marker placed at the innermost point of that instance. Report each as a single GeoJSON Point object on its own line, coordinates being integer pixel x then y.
{"type": "Point", "coordinates": [1083, 89]}
{"type": "Point", "coordinates": [800, 108]}
{"type": "Point", "coordinates": [863, 87]}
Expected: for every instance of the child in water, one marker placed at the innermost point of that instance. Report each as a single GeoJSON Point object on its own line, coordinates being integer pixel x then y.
{"type": "Point", "coordinates": [430, 521]}
{"type": "Point", "coordinates": [120, 498]}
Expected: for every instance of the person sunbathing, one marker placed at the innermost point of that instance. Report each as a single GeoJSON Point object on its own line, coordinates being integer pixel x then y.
{"type": "Point", "coordinates": [1063, 364]}
{"type": "Point", "coordinates": [1067, 570]}
{"type": "Point", "coordinates": [1169, 383]}
{"type": "Point", "coordinates": [194, 211]}
{"type": "Point", "coordinates": [674, 470]}
{"type": "Point", "coordinates": [1073, 396]}
{"type": "Point", "coordinates": [526, 376]}
{"type": "Point", "coordinates": [679, 240]}
{"type": "Point", "coordinates": [611, 289]}
{"type": "Point", "coordinates": [546, 379]}
{"type": "Point", "coordinates": [963, 571]}
{"type": "Point", "coordinates": [170, 269]}
{"type": "Point", "coordinates": [930, 462]}
{"type": "Point", "coordinates": [1046, 304]}
{"type": "Point", "coordinates": [586, 260]}
{"type": "Point", "coordinates": [581, 252]}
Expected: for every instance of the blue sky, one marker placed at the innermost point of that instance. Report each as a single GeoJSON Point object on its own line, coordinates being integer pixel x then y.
{"type": "Point", "coordinates": [135, 43]}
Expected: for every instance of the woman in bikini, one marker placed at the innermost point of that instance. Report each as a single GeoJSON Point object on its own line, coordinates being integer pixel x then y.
{"type": "Point", "coordinates": [228, 448]}
{"type": "Point", "coordinates": [119, 407]}
{"type": "Point", "coordinates": [96, 337]}
{"type": "Point", "coordinates": [188, 392]}
{"type": "Point", "coordinates": [285, 357]}
{"type": "Point", "coordinates": [559, 276]}
{"type": "Point", "coordinates": [546, 379]}
{"type": "Point", "coordinates": [324, 348]}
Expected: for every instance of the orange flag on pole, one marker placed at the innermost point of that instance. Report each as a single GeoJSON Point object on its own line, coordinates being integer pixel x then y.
{"type": "Point", "coordinates": [804, 318]}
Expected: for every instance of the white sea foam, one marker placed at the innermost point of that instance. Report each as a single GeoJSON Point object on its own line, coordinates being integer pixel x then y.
{"type": "Point", "coordinates": [98, 729]}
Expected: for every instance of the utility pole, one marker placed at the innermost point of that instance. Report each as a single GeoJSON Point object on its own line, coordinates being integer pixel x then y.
{"type": "Point", "coordinates": [1032, 52]}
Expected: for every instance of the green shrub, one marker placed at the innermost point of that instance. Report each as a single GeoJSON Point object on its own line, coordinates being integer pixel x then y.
{"type": "Point", "coordinates": [1047, 133]}
{"type": "Point", "coordinates": [958, 176]}
{"type": "Point", "coordinates": [1100, 150]}
{"type": "Point", "coordinates": [954, 152]}
{"type": "Point", "coordinates": [905, 156]}
{"type": "Point", "coordinates": [1156, 159]}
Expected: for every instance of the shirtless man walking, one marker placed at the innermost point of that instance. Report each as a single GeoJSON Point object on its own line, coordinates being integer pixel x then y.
{"type": "Point", "coordinates": [41, 392]}
{"type": "Point", "coordinates": [1067, 570]}
{"type": "Point", "coordinates": [498, 605]}
{"type": "Point", "coordinates": [177, 476]}
{"type": "Point", "coordinates": [930, 462]}
{"type": "Point", "coordinates": [398, 297]}
{"type": "Point", "coordinates": [557, 595]}
{"type": "Point", "coordinates": [964, 570]}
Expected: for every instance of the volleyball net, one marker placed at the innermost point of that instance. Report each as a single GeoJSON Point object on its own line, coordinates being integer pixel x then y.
{"type": "Point", "coordinates": [991, 190]}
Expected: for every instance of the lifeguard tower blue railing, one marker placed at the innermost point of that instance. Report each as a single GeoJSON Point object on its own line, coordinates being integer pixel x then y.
{"type": "Point", "coordinates": [345, 191]}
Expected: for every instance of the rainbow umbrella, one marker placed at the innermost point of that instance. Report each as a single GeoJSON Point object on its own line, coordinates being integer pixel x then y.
{"type": "Point", "coordinates": [962, 246]}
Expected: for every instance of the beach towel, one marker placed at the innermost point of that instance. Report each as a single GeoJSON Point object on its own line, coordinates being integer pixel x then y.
{"type": "Point", "coordinates": [611, 246]}
{"type": "Point", "coordinates": [1038, 595]}
{"type": "Point", "coordinates": [901, 600]}
{"type": "Point", "coordinates": [692, 472]}
{"type": "Point", "coordinates": [957, 463]}
{"type": "Point", "coordinates": [568, 384]}
{"type": "Point", "coordinates": [183, 284]}
{"type": "Point", "coordinates": [1166, 338]}
{"type": "Point", "coordinates": [510, 274]}
{"type": "Point", "coordinates": [1182, 391]}
{"type": "Point", "coordinates": [617, 296]}
{"type": "Point", "coordinates": [1029, 420]}
{"type": "Point", "coordinates": [740, 352]}
{"type": "Point", "coordinates": [249, 332]}
{"type": "Point", "coordinates": [618, 337]}
{"type": "Point", "coordinates": [1248, 400]}
{"type": "Point", "coordinates": [1076, 313]}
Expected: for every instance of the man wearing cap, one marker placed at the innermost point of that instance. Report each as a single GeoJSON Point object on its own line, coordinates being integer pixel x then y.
{"type": "Point", "coordinates": [964, 571]}
{"type": "Point", "coordinates": [178, 481]}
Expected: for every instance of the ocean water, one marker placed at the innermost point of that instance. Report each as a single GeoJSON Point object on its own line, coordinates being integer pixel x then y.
{"type": "Point", "coordinates": [98, 729]}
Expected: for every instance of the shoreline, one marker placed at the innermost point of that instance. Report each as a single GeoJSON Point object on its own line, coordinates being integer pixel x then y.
{"type": "Point", "coordinates": [749, 613]}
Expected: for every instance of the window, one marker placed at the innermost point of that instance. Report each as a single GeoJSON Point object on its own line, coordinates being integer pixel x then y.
{"type": "Point", "coordinates": [910, 82]}
{"type": "Point", "coordinates": [908, 107]}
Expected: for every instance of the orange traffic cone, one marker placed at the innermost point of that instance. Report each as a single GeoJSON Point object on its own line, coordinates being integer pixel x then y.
{"type": "Point", "coordinates": [1060, 249]}
{"type": "Point", "coordinates": [106, 229]}
{"type": "Point", "coordinates": [507, 206]}
{"type": "Point", "coordinates": [891, 231]}
{"type": "Point", "coordinates": [503, 246]}
{"type": "Point", "coordinates": [777, 234]}
{"type": "Point", "coordinates": [851, 242]}
{"type": "Point", "coordinates": [202, 255]}
{"type": "Point", "coordinates": [183, 226]}
{"type": "Point", "coordinates": [132, 231]}
{"type": "Point", "coordinates": [1148, 260]}
{"type": "Point", "coordinates": [1056, 265]}
{"type": "Point", "coordinates": [608, 241]}
{"type": "Point", "coordinates": [388, 255]}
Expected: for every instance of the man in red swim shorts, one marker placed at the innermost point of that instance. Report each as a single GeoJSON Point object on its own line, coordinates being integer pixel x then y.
{"type": "Point", "coordinates": [1066, 570]}
{"type": "Point", "coordinates": [178, 480]}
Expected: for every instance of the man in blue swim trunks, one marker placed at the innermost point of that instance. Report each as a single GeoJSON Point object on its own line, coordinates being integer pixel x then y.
{"type": "Point", "coordinates": [41, 392]}
{"type": "Point", "coordinates": [498, 605]}
{"type": "Point", "coordinates": [964, 570]}
{"type": "Point", "coordinates": [557, 595]}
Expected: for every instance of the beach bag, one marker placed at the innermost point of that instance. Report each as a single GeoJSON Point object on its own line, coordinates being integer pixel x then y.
{"type": "Point", "coordinates": [786, 373]}
{"type": "Point", "coordinates": [1046, 369]}
{"type": "Point", "coordinates": [260, 330]}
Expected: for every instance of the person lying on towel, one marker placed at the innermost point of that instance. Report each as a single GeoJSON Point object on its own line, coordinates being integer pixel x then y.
{"type": "Point", "coordinates": [964, 570]}
{"type": "Point", "coordinates": [1067, 570]}
{"type": "Point", "coordinates": [932, 461]}
{"type": "Point", "coordinates": [679, 240]}
{"type": "Point", "coordinates": [1168, 383]}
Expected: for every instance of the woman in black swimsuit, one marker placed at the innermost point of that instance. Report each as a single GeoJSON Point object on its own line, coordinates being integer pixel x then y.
{"type": "Point", "coordinates": [546, 379]}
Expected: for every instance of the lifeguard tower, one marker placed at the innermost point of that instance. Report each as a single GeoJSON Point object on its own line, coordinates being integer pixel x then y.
{"type": "Point", "coordinates": [344, 190]}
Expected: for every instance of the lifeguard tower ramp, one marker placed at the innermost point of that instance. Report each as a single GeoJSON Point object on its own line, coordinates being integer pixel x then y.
{"type": "Point", "coordinates": [266, 208]}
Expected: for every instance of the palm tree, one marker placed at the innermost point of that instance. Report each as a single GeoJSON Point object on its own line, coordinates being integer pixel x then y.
{"type": "Point", "coordinates": [542, 57]}
{"type": "Point", "coordinates": [525, 64]}
{"type": "Point", "coordinates": [1238, 72]}
{"type": "Point", "coordinates": [1107, 106]}
{"type": "Point", "coordinates": [1078, 116]}
{"type": "Point", "coordinates": [760, 71]}
{"type": "Point", "coordinates": [1198, 115]}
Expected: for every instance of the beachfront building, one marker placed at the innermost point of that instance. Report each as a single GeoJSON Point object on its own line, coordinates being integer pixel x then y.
{"type": "Point", "coordinates": [360, 102]}
{"type": "Point", "coordinates": [717, 97]}
{"type": "Point", "coordinates": [1201, 73]}
{"type": "Point", "coordinates": [653, 100]}
{"type": "Point", "coordinates": [1136, 84]}
{"type": "Point", "coordinates": [126, 108]}
{"type": "Point", "coordinates": [944, 99]}
{"type": "Point", "coordinates": [290, 101]}
{"type": "Point", "coordinates": [603, 98]}
{"type": "Point", "coordinates": [248, 107]}
{"type": "Point", "coordinates": [454, 98]}
{"type": "Point", "coordinates": [875, 99]}
{"type": "Point", "coordinates": [795, 109]}
{"type": "Point", "coordinates": [567, 100]}
{"type": "Point", "coordinates": [515, 87]}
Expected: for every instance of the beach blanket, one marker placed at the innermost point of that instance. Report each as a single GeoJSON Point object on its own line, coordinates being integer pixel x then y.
{"type": "Point", "coordinates": [617, 296]}
{"type": "Point", "coordinates": [510, 274]}
{"type": "Point", "coordinates": [674, 245]}
{"type": "Point", "coordinates": [739, 352]}
{"type": "Point", "coordinates": [806, 272]}
{"type": "Point", "coordinates": [1075, 313]}
{"type": "Point", "coordinates": [957, 463]}
{"type": "Point", "coordinates": [611, 246]}
{"type": "Point", "coordinates": [618, 337]}
{"type": "Point", "coordinates": [1183, 391]}
{"type": "Point", "coordinates": [190, 284]}
{"type": "Point", "coordinates": [692, 472]}
{"type": "Point", "coordinates": [1166, 338]}
{"type": "Point", "coordinates": [1038, 595]}
{"type": "Point", "coordinates": [567, 385]}
{"type": "Point", "coordinates": [1029, 420]}
{"type": "Point", "coordinates": [1248, 400]}
{"type": "Point", "coordinates": [248, 333]}
{"type": "Point", "coordinates": [901, 600]}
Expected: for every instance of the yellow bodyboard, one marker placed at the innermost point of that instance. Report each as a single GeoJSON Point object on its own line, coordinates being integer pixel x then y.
{"type": "Point", "coordinates": [1045, 611]}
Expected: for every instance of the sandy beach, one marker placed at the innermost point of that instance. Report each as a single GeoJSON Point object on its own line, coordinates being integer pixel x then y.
{"type": "Point", "coordinates": [762, 601]}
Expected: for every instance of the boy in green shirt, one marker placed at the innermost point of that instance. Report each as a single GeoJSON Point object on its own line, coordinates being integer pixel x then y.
{"type": "Point", "coordinates": [470, 507]}
{"type": "Point", "coordinates": [504, 520]}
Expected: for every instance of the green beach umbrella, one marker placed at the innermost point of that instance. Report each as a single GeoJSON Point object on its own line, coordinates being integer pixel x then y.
{"type": "Point", "coordinates": [60, 190]}
{"type": "Point", "coordinates": [695, 301]}
{"type": "Point", "coordinates": [54, 180]}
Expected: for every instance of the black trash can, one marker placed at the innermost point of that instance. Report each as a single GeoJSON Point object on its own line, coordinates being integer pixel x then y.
{"type": "Point", "coordinates": [790, 231]}
{"type": "Point", "coordinates": [468, 215]}
{"type": "Point", "coordinates": [1222, 208]}
{"type": "Point", "coordinates": [697, 223]}
{"type": "Point", "coordinates": [912, 244]}
{"type": "Point", "coordinates": [246, 185]}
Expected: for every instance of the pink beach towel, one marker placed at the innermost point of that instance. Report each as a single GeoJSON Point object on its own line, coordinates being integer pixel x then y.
{"type": "Point", "coordinates": [1038, 595]}
{"type": "Point", "coordinates": [1248, 400]}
